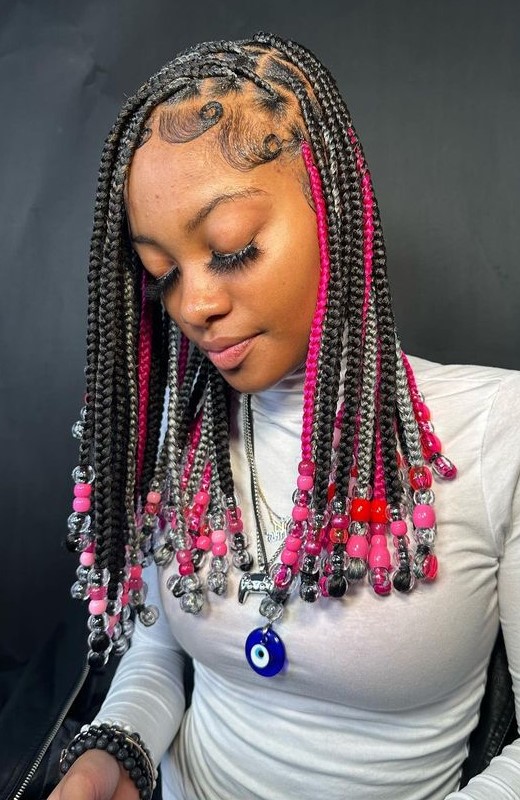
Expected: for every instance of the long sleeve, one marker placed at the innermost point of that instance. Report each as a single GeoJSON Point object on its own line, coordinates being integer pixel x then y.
{"type": "Point", "coordinates": [148, 688]}
{"type": "Point", "coordinates": [501, 488]}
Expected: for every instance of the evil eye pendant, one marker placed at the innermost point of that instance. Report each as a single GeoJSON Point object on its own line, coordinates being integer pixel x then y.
{"type": "Point", "coordinates": [265, 652]}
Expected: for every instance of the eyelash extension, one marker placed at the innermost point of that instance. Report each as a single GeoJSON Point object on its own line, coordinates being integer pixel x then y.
{"type": "Point", "coordinates": [220, 263]}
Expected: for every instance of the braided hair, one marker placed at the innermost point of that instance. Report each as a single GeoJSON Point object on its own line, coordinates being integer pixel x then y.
{"type": "Point", "coordinates": [363, 469]}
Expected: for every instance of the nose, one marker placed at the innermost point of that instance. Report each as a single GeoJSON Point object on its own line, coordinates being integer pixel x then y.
{"type": "Point", "coordinates": [203, 298]}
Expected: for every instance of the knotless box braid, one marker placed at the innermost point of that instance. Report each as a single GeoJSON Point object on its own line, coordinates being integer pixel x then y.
{"type": "Point", "coordinates": [134, 352]}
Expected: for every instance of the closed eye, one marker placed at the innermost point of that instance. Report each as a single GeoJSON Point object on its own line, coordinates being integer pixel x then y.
{"type": "Point", "coordinates": [220, 263]}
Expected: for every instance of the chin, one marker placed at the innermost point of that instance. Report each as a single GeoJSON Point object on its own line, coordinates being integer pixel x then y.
{"type": "Point", "coordinates": [251, 384]}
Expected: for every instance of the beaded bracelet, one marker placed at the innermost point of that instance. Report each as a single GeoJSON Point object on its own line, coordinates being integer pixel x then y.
{"type": "Point", "coordinates": [125, 746]}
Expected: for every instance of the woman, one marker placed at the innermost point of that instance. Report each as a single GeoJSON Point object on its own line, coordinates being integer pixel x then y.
{"type": "Point", "coordinates": [290, 507]}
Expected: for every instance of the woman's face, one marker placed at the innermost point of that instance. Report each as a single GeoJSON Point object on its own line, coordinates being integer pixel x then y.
{"type": "Point", "coordinates": [236, 254]}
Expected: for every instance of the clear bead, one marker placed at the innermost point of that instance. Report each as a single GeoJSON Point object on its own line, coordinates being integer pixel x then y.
{"type": "Point", "coordinates": [83, 413]}
{"type": "Point", "coordinates": [79, 591]}
{"type": "Point", "coordinates": [424, 496]}
{"type": "Point", "coordinates": [149, 615]}
{"type": "Point", "coordinates": [242, 560]}
{"type": "Point", "coordinates": [83, 475]}
{"type": "Point", "coordinates": [358, 528]}
{"type": "Point", "coordinates": [77, 430]}
{"type": "Point", "coordinates": [137, 597]}
{"type": "Point", "coordinates": [270, 609]}
{"type": "Point", "coordinates": [190, 583]}
{"type": "Point", "coordinates": [78, 523]}
{"type": "Point", "coordinates": [173, 584]}
{"type": "Point", "coordinates": [82, 573]}
{"type": "Point", "coordinates": [192, 602]}
{"type": "Point", "coordinates": [98, 577]}
{"type": "Point", "coordinates": [155, 485]}
{"type": "Point", "coordinates": [396, 512]}
{"type": "Point", "coordinates": [98, 623]}
{"type": "Point", "coordinates": [217, 582]}
{"type": "Point", "coordinates": [163, 556]}
{"type": "Point", "coordinates": [128, 628]}
{"type": "Point", "coordinates": [117, 631]}
{"type": "Point", "coordinates": [121, 646]}
{"type": "Point", "coordinates": [197, 558]}
{"type": "Point", "coordinates": [114, 606]}
{"type": "Point", "coordinates": [219, 564]}
{"type": "Point", "coordinates": [238, 542]}
{"type": "Point", "coordinates": [149, 521]}
{"type": "Point", "coordinates": [425, 536]}
{"type": "Point", "coordinates": [310, 591]}
{"type": "Point", "coordinates": [216, 520]}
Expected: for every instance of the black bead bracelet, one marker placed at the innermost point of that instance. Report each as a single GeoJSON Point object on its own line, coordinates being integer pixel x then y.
{"type": "Point", "coordinates": [126, 747]}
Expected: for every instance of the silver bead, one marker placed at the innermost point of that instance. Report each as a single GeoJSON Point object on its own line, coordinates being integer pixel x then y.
{"type": "Point", "coordinates": [78, 523]}
{"type": "Point", "coordinates": [98, 623]}
{"type": "Point", "coordinates": [424, 496]}
{"type": "Point", "coordinates": [190, 583]}
{"type": "Point", "coordinates": [83, 474]}
{"type": "Point", "coordinates": [425, 536]}
{"type": "Point", "coordinates": [217, 582]}
{"type": "Point", "coordinates": [192, 602]}
{"type": "Point", "coordinates": [77, 429]}
{"type": "Point", "coordinates": [163, 555]}
{"type": "Point", "coordinates": [79, 591]}
{"type": "Point", "coordinates": [219, 564]}
{"type": "Point", "coordinates": [149, 615]}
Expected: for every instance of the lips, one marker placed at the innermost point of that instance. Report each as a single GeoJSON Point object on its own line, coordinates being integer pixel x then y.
{"type": "Point", "coordinates": [227, 354]}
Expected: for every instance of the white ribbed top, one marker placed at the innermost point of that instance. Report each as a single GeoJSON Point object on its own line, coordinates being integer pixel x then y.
{"type": "Point", "coordinates": [381, 693]}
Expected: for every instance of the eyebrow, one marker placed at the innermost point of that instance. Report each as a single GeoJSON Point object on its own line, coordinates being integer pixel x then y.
{"type": "Point", "coordinates": [204, 212]}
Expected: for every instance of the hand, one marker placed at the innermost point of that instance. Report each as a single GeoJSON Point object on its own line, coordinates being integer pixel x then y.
{"type": "Point", "coordinates": [96, 775]}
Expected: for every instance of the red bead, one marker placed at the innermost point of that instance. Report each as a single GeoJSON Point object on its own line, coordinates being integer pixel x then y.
{"type": "Point", "coordinates": [339, 521]}
{"type": "Point", "coordinates": [360, 509]}
{"type": "Point", "coordinates": [422, 412]}
{"type": "Point", "coordinates": [378, 511]}
{"type": "Point", "coordinates": [430, 567]}
{"type": "Point", "coordinates": [420, 477]}
{"type": "Point", "coordinates": [331, 491]}
{"type": "Point", "coordinates": [135, 571]}
{"type": "Point", "coordinates": [151, 508]}
{"type": "Point", "coordinates": [186, 569]}
{"type": "Point", "coordinates": [338, 536]}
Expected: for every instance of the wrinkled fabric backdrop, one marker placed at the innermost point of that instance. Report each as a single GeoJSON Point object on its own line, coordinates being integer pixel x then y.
{"type": "Point", "coordinates": [433, 89]}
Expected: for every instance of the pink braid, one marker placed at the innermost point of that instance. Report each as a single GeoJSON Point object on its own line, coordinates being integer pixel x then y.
{"type": "Point", "coordinates": [311, 367]}
{"type": "Point", "coordinates": [143, 377]}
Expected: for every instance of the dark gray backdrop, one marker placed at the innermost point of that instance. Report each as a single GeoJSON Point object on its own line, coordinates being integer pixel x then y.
{"type": "Point", "coordinates": [433, 89]}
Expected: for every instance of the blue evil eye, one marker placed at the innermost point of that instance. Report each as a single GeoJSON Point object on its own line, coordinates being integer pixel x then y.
{"type": "Point", "coordinates": [265, 652]}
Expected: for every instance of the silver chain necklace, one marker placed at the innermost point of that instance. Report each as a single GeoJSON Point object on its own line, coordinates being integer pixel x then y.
{"type": "Point", "coordinates": [259, 582]}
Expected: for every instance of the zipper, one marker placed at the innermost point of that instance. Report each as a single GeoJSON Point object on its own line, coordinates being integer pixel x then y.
{"type": "Point", "coordinates": [39, 758]}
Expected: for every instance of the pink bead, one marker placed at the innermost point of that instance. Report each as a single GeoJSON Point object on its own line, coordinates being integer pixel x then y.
{"type": "Point", "coordinates": [282, 576]}
{"type": "Point", "coordinates": [203, 542]}
{"type": "Point", "coordinates": [153, 497]}
{"type": "Point", "coordinates": [306, 468]}
{"type": "Point", "coordinates": [378, 528]}
{"type": "Point", "coordinates": [81, 504]}
{"type": "Point", "coordinates": [379, 557]}
{"type": "Point", "coordinates": [135, 583]}
{"type": "Point", "coordinates": [398, 527]}
{"type": "Point", "coordinates": [183, 556]}
{"type": "Point", "coordinates": [339, 521]}
{"type": "Point", "coordinates": [186, 569]}
{"type": "Point", "coordinates": [300, 513]}
{"type": "Point", "coordinates": [82, 490]}
{"type": "Point", "coordinates": [313, 548]}
{"type": "Point", "coordinates": [96, 607]}
{"type": "Point", "coordinates": [125, 599]}
{"type": "Point", "coordinates": [219, 549]}
{"type": "Point", "coordinates": [444, 468]}
{"type": "Point", "coordinates": [305, 482]}
{"type": "Point", "coordinates": [97, 592]}
{"type": "Point", "coordinates": [431, 444]}
{"type": "Point", "coordinates": [236, 526]}
{"type": "Point", "coordinates": [135, 571]}
{"type": "Point", "coordinates": [293, 543]}
{"type": "Point", "coordinates": [202, 498]}
{"type": "Point", "coordinates": [357, 547]}
{"type": "Point", "coordinates": [423, 516]}
{"type": "Point", "coordinates": [289, 557]}
{"type": "Point", "coordinates": [218, 536]}
{"type": "Point", "coordinates": [378, 541]}
{"type": "Point", "coordinates": [86, 559]}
